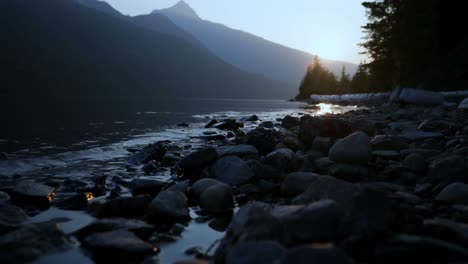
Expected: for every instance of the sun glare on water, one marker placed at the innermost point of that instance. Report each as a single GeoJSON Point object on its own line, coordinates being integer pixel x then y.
{"type": "Point", "coordinates": [324, 109]}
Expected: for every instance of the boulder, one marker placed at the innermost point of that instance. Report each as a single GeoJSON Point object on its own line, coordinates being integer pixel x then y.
{"type": "Point", "coordinates": [355, 149]}
{"type": "Point", "coordinates": [306, 255]}
{"type": "Point", "coordinates": [211, 123]}
{"type": "Point", "coordinates": [415, 135]}
{"type": "Point", "coordinates": [267, 124]}
{"type": "Point", "coordinates": [388, 142]}
{"type": "Point", "coordinates": [146, 186]}
{"type": "Point", "coordinates": [463, 104]}
{"type": "Point", "coordinates": [242, 151]}
{"type": "Point", "coordinates": [11, 217]}
{"type": "Point", "coordinates": [231, 170]}
{"type": "Point", "coordinates": [416, 97]}
{"type": "Point", "coordinates": [75, 202]}
{"type": "Point", "coordinates": [281, 159]}
{"type": "Point", "coordinates": [323, 164]}
{"type": "Point", "coordinates": [168, 206]}
{"type": "Point", "coordinates": [217, 199]}
{"type": "Point", "coordinates": [264, 140]}
{"type": "Point", "coordinates": [448, 230]}
{"type": "Point", "coordinates": [415, 162]}
{"type": "Point", "coordinates": [263, 171]}
{"type": "Point", "coordinates": [193, 164]}
{"type": "Point", "coordinates": [290, 121]}
{"type": "Point", "coordinates": [118, 243]}
{"type": "Point", "coordinates": [386, 154]}
{"type": "Point", "coordinates": [297, 182]}
{"type": "Point", "coordinates": [448, 169]}
{"type": "Point", "coordinates": [255, 252]}
{"type": "Point", "coordinates": [29, 194]}
{"type": "Point", "coordinates": [322, 144]}
{"type": "Point", "coordinates": [138, 227]}
{"type": "Point", "coordinates": [151, 152]}
{"type": "Point", "coordinates": [229, 124]}
{"type": "Point", "coordinates": [201, 185]}
{"type": "Point", "coordinates": [125, 207]}
{"type": "Point", "coordinates": [351, 172]}
{"type": "Point", "coordinates": [455, 193]}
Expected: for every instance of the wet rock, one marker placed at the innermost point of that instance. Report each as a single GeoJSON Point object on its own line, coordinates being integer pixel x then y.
{"type": "Point", "coordinates": [211, 123]}
{"type": "Point", "coordinates": [267, 124]}
{"type": "Point", "coordinates": [415, 135]}
{"type": "Point", "coordinates": [4, 196]}
{"type": "Point", "coordinates": [252, 118]}
{"type": "Point", "coordinates": [150, 167]}
{"type": "Point", "coordinates": [125, 207]}
{"type": "Point", "coordinates": [242, 151]}
{"type": "Point", "coordinates": [255, 252]}
{"type": "Point", "coordinates": [265, 140]}
{"type": "Point", "coordinates": [455, 193]}
{"type": "Point", "coordinates": [323, 164]}
{"type": "Point", "coordinates": [138, 227]}
{"type": "Point", "coordinates": [11, 217]}
{"type": "Point", "coordinates": [315, 222]}
{"type": "Point", "coordinates": [355, 149]}
{"type": "Point", "coordinates": [451, 168]}
{"type": "Point", "coordinates": [463, 104]}
{"type": "Point", "coordinates": [229, 124]}
{"type": "Point", "coordinates": [168, 206]}
{"type": "Point", "coordinates": [75, 202]}
{"type": "Point", "coordinates": [154, 151]}
{"type": "Point", "coordinates": [322, 144]}
{"type": "Point", "coordinates": [201, 185]}
{"type": "Point", "coordinates": [411, 248]}
{"type": "Point", "coordinates": [290, 142]}
{"type": "Point", "coordinates": [118, 243]}
{"type": "Point", "coordinates": [32, 195]}
{"type": "Point", "coordinates": [415, 162]}
{"type": "Point", "coordinates": [231, 170]}
{"type": "Point", "coordinates": [183, 125]}
{"type": "Point", "coordinates": [388, 142]}
{"type": "Point", "coordinates": [193, 164]}
{"type": "Point", "coordinates": [297, 182]}
{"type": "Point", "coordinates": [146, 186]}
{"type": "Point", "coordinates": [31, 241]}
{"type": "Point", "coordinates": [281, 159]}
{"type": "Point", "coordinates": [351, 172]}
{"type": "Point", "coordinates": [181, 186]}
{"type": "Point", "coordinates": [217, 198]}
{"type": "Point", "coordinates": [326, 187]}
{"type": "Point", "coordinates": [169, 160]}
{"type": "Point", "coordinates": [306, 255]}
{"type": "Point", "coordinates": [289, 122]}
{"type": "Point", "coordinates": [447, 230]}
{"type": "Point", "coordinates": [263, 171]}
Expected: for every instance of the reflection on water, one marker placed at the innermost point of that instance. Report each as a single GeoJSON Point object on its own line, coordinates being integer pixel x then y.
{"type": "Point", "coordinates": [324, 109]}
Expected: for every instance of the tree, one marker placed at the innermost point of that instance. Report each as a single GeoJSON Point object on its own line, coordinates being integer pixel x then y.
{"type": "Point", "coordinates": [345, 81]}
{"type": "Point", "coordinates": [361, 82]}
{"type": "Point", "coordinates": [317, 80]}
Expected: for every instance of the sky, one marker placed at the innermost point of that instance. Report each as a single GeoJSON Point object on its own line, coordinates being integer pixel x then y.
{"type": "Point", "coordinates": [328, 28]}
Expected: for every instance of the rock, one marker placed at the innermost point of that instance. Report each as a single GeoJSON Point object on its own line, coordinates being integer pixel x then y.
{"type": "Point", "coordinates": [436, 125]}
{"type": "Point", "coordinates": [146, 186]}
{"type": "Point", "coordinates": [416, 97]}
{"type": "Point", "coordinates": [31, 241]}
{"type": "Point", "coordinates": [267, 124]}
{"type": "Point", "coordinates": [351, 172]}
{"type": "Point", "coordinates": [31, 194]}
{"type": "Point", "coordinates": [291, 142]}
{"type": "Point", "coordinates": [387, 142]}
{"type": "Point", "coordinates": [306, 255]}
{"type": "Point", "coordinates": [262, 139]}
{"type": "Point", "coordinates": [255, 252]}
{"type": "Point", "coordinates": [455, 193]}
{"type": "Point", "coordinates": [183, 125]}
{"type": "Point", "coordinates": [252, 118]}
{"type": "Point", "coordinates": [201, 185]}
{"type": "Point", "coordinates": [193, 164]}
{"type": "Point", "coordinates": [312, 127]}
{"type": "Point", "coordinates": [323, 164]}
{"type": "Point", "coordinates": [447, 230]}
{"type": "Point", "coordinates": [211, 123]}
{"type": "Point", "coordinates": [181, 186]}
{"type": "Point", "coordinates": [150, 167]}
{"type": "Point", "coordinates": [418, 249]}
{"type": "Point", "coordinates": [281, 159]}
{"type": "Point", "coordinates": [386, 154]}
{"type": "Point", "coordinates": [415, 162]}
{"type": "Point", "coordinates": [451, 168]}
{"type": "Point", "coordinates": [118, 243]}
{"type": "Point", "coordinates": [138, 227]}
{"type": "Point", "coordinates": [297, 182]}
{"type": "Point", "coordinates": [125, 207]}
{"type": "Point", "coordinates": [168, 206]}
{"type": "Point", "coordinates": [75, 202]}
{"type": "Point", "coordinates": [217, 199]}
{"type": "Point", "coordinates": [407, 198]}
{"type": "Point", "coordinates": [463, 104]}
{"type": "Point", "coordinates": [4, 196]}
{"type": "Point", "coordinates": [315, 222]}
{"type": "Point", "coordinates": [11, 217]}
{"type": "Point", "coordinates": [415, 135]}
{"type": "Point", "coordinates": [154, 151]}
{"type": "Point", "coordinates": [169, 160]}
{"type": "Point", "coordinates": [231, 170]}
{"type": "Point", "coordinates": [326, 187]}
{"type": "Point", "coordinates": [289, 122]}
{"type": "Point", "coordinates": [322, 144]}
{"type": "Point", "coordinates": [355, 148]}
{"type": "Point", "coordinates": [263, 171]}
{"type": "Point", "coordinates": [242, 151]}
{"type": "Point", "coordinates": [229, 124]}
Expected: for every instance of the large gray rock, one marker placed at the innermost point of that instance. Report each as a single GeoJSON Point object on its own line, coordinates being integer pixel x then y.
{"type": "Point", "coordinates": [201, 185]}
{"type": "Point", "coordinates": [32, 194]}
{"type": "Point", "coordinates": [416, 96]}
{"type": "Point", "coordinates": [242, 151]}
{"type": "Point", "coordinates": [168, 206]}
{"type": "Point", "coordinates": [113, 224]}
{"type": "Point", "coordinates": [388, 142]}
{"type": "Point", "coordinates": [231, 170]}
{"type": "Point", "coordinates": [146, 186]}
{"type": "Point", "coordinates": [10, 217]}
{"type": "Point", "coordinates": [265, 140]}
{"type": "Point", "coordinates": [297, 182]}
{"type": "Point", "coordinates": [355, 148]}
{"type": "Point", "coordinates": [120, 242]}
{"type": "Point", "coordinates": [456, 193]}
{"type": "Point", "coordinates": [217, 198]}
{"type": "Point", "coordinates": [193, 164]}
{"type": "Point", "coordinates": [415, 162]}
{"type": "Point", "coordinates": [154, 151]}
{"type": "Point", "coordinates": [31, 241]}
{"type": "Point", "coordinates": [280, 159]}
{"type": "Point", "coordinates": [463, 104]}
{"type": "Point", "coordinates": [255, 252]}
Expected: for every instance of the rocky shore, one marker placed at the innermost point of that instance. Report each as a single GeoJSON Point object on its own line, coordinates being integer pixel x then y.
{"type": "Point", "coordinates": [387, 184]}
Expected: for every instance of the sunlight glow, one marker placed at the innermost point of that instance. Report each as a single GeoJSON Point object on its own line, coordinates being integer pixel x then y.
{"type": "Point", "coordinates": [324, 109]}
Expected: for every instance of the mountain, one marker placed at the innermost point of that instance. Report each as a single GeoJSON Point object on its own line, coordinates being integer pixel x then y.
{"type": "Point", "coordinates": [77, 64]}
{"type": "Point", "coordinates": [247, 51]}
{"type": "Point", "coordinates": [100, 6]}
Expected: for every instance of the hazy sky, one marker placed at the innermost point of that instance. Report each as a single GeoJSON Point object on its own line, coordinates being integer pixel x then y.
{"type": "Point", "coordinates": [329, 28]}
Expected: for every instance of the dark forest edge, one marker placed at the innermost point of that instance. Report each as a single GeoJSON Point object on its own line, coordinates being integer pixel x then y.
{"type": "Point", "coordinates": [409, 43]}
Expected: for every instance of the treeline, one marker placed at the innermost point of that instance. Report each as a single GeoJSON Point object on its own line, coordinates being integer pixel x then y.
{"type": "Point", "coordinates": [410, 44]}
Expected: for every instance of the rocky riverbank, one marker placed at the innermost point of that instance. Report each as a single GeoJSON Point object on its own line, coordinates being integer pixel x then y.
{"type": "Point", "coordinates": [381, 185]}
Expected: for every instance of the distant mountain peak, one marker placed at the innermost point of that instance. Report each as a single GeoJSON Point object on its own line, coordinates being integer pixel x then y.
{"type": "Point", "coordinates": [181, 8]}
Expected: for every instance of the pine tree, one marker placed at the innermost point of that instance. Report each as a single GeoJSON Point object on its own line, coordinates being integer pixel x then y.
{"type": "Point", "coordinates": [343, 86]}
{"type": "Point", "coordinates": [361, 81]}
{"type": "Point", "coordinates": [317, 80]}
